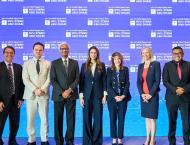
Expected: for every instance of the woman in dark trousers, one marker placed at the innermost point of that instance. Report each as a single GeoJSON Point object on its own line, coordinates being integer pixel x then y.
{"type": "Point", "coordinates": [148, 81]}
{"type": "Point", "coordinates": [118, 96]}
{"type": "Point", "coordinates": [93, 93]}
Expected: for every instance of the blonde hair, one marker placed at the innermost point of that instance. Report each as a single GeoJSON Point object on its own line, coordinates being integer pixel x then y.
{"type": "Point", "coordinates": [150, 52]}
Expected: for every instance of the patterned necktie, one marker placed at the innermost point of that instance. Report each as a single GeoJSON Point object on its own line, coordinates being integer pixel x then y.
{"type": "Point", "coordinates": [179, 71]}
{"type": "Point", "coordinates": [38, 66]}
{"type": "Point", "coordinates": [12, 88]}
{"type": "Point", "coordinates": [66, 66]}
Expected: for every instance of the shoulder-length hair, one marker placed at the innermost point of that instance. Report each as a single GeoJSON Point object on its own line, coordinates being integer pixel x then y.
{"type": "Point", "coordinates": [150, 51]}
{"type": "Point", "coordinates": [112, 60]}
{"type": "Point", "coordinates": [98, 62]}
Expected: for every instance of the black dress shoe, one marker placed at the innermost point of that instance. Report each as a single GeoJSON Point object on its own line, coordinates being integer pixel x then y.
{"type": "Point", "coordinates": [114, 143]}
{"type": "Point", "coordinates": [12, 142]}
{"type": "Point", "coordinates": [120, 143]}
{"type": "Point", "coordinates": [69, 144]}
{"type": "Point", "coordinates": [31, 143]}
{"type": "Point", "coordinates": [45, 143]}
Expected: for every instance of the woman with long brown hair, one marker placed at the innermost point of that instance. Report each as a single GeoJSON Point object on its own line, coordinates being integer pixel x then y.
{"type": "Point", "coordinates": [118, 96]}
{"type": "Point", "coordinates": [92, 90]}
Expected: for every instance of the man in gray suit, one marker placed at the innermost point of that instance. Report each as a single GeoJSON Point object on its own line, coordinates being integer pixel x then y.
{"type": "Point", "coordinates": [36, 77]}
{"type": "Point", "coordinates": [64, 76]}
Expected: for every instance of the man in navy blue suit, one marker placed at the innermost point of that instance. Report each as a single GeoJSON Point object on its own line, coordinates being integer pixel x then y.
{"type": "Point", "coordinates": [176, 78]}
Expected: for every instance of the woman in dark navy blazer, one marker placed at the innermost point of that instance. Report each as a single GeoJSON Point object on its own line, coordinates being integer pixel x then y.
{"type": "Point", "coordinates": [148, 81]}
{"type": "Point", "coordinates": [118, 96]}
{"type": "Point", "coordinates": [93, 93]}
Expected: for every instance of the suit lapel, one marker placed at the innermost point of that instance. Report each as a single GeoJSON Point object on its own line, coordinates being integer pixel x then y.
{"type": "Point", "coordinates": [5, 69]}
{"type": "Point", "coordinates": [15, 72]}
{"type": "Point", "coordinates": [62, 67]}
{"type": "Point", "coordinates": [183, 69]}
{"type": "Point", "coordinates": [121, 74]}
{"type": "Point", "coordinates": [149, 70]}
{"type": "Point", "coordinates": [95, 72]}
{"type": "Point", "coordinates": [175, 72]}
{"type": "Point", "coordinates": [41, 66]}
{"type": "Point", "coordinates": [70, 65]}
{"type": "Point", "coordinates": [141, 70]}
{"type": "Point", "coordinates": [34, 66]}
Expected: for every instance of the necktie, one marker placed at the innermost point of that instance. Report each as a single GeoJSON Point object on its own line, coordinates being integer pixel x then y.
{"type": "Point", "coordinates": [38, 66]}
{"type": "Point", "coordinates": [11, 89]}
{"type": "Point", "coordinates": [66, 65]}
{"type": "Point", "coordinates": [179, 71]}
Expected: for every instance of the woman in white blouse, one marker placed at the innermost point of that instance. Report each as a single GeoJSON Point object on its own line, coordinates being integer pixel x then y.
{"type": "Point", "coordinates": [92, 89]}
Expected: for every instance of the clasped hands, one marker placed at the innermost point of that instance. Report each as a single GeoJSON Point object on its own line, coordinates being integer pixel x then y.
{"type": "Point", "coordinates": [119, 98]}
{"type": "Point", "coordinates": [67, 93]}
{"type": "Point", "coordinates": [146, 97]}
{"type": "Point", "coordinates": [39, 92]}
{"type": "Point", "coordinates": [179, 91]}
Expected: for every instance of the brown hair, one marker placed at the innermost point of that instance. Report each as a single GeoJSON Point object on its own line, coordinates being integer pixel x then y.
{"type": "Point", "coordinates": [98, 63]}
{"type": "Point", "coordinates": [112, 60]}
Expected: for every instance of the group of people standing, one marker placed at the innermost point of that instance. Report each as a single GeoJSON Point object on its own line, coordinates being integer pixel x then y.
{"type": "Point", "coordinates": [96, 87]}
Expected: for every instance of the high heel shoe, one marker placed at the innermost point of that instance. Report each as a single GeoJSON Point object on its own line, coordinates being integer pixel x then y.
{"type": "Point", "coordinates": [148, 143]}
{"type": "Point", "coordinates": [154, 143]}
{"type": "Point", "coordinates": [114, 143]}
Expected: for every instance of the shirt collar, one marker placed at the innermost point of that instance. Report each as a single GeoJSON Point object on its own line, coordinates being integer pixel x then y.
{"type": "Point", "coordinates": [180, 62]}
{"type": "Point", "coordinates": [63, 59]}
{"type": "Point", "coordinates": [35, 59]}
{"type": "Point", "coordinates": [8, 63]}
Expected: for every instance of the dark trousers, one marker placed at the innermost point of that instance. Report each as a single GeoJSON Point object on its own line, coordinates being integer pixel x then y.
{"type": "Point", "coordinates": [70, 119]}
{"type": "Point", "coordinates": [13, 112]}
{"type": "Point", "coordinates": [117, 111]}
{"type": "Point", "coordinates": [92, 122]}
{"type": "Point", "coordinates": [172, 108]}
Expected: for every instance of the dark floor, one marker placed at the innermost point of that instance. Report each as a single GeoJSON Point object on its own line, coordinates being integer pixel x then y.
{"type": "Point", "coordinates": [107, 141]}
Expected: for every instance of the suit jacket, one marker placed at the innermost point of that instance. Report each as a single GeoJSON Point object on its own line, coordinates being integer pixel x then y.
{"type": "Point", "coordinates": [5, 83]}
{"type": "Point", "coordinates": [89, 82]}
{"type": "Point", "coordinates": [32, 80]}
{"type": "Point", "coordinates": [153, 78]}
{"type": "Point", "coordinates": [171, 80]}
{"type": "Point", "coordinates": [61, 81]}
{"type": "Point", "coordinates": [112, 83]}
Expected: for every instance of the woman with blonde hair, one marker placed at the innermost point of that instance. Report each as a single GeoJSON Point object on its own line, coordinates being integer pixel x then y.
{"type": "Point", "coordinates": [148, 81]}
{"type": "Point", "coordinates": [118, 96]}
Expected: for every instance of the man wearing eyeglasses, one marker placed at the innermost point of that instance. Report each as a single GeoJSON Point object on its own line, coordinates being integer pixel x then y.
{"type": "Point", "coordinates": [64, 76]}
{"type": "Point", "coordinates": [11, 94]}
{"type": "Point", "coordinates": [176, 78]}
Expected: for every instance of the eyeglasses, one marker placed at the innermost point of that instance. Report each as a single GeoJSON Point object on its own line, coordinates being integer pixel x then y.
{"type": "Point", "coordinates": [64, 49]}
{"type": "Point", "coordinates": [8, 52]}
{"type": "Point", "coordinates": [177, 53]}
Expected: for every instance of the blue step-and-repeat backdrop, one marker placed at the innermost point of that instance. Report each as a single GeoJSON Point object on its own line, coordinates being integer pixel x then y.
{"type": "Point", "coordinates": [111, 25]}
